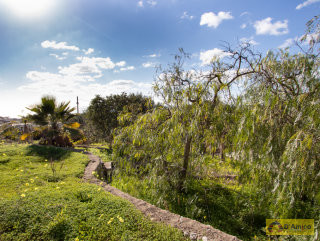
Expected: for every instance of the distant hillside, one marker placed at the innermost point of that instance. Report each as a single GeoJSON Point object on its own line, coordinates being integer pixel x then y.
{"type": "Point", "coordinates": [8, 119]}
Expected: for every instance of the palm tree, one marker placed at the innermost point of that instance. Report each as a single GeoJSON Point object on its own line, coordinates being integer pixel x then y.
{"type": "Point", "coordinates": [51, 114]}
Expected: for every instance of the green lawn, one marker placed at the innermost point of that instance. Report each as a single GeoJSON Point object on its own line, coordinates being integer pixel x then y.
{"type": "Point", "coordinates": [42, 199]}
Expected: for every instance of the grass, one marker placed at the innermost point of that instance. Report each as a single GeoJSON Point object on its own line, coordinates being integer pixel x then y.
{"type": "Point", "coordinates": [221, 203]}
{"type": "Point", "coordinates": [39, 204]}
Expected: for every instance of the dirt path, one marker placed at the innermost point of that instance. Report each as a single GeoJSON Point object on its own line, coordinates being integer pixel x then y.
{"type": "Point", "coordinates": [194, 229]}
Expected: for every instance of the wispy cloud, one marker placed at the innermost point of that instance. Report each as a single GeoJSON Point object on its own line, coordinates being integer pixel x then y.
{"type": "Point", "coordinates": [244, 13]}
{"type": "Point", "coordinates": [243, 26]}
{"type": "Point", "coordinates": [58, 46]}
{"type": "Point", "coordinates": [185, 15]}
{"type": "Point", "coordinates": [266, 27]}
{"type": "Point", "coordinates": [306, 3]}
{"type": "Point", "coordinates": [149, 2]}
{"type": "Point", "coordinates": [153, 55]}
{"type": "Point", "coordinates": [148, 65]}
{"type": "Point", "coordinates": [250, 41]}
{"type": "Point", "coordinates": [214, 20]}
{"type": "Point", "coordinates": [58, 57]}
{"type": "Point", "coordinates": [152, 2]}
{"type": "Point", "coordinates": [127, 68]}
{"type": "Point", "coordinates": [287, 43]}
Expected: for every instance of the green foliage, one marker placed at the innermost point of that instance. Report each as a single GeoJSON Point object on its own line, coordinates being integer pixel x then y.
{"type": "Point", "coordinates": [102, 113]}
{"type": "Point", "coordinates": [31, 208]}
{"type": "Point", "coordinates": [52, 116]}
{"type": "Point", "coordinates": [277, 142]}
{"type": "Point", "coordinates": [11, 133]}
{"type": "Point", "coordinates": [270, 132]}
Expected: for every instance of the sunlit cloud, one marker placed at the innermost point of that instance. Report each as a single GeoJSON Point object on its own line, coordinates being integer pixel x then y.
{"type": "Point", "coordinates": [306, 3]}
{"type": "Point", "coordinates": [214, 20]}
{"type": "Point", "coordinates": [89, 51]}
{"type": "Point", "coordinates": [58, 46]}
{"type": "Point", "coordinates": [287, 43]}
{"type": "Point", "coordinates": [207, 56]}
{"type": "Point", "coordinates": [266, 27]}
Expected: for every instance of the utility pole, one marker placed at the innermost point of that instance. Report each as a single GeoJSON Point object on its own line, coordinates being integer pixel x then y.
{"type": "Point", "coordinates": [77, 105]}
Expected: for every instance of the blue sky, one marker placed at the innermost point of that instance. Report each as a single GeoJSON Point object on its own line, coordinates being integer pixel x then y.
{"type": "Point", "coordinates": [82, 48]}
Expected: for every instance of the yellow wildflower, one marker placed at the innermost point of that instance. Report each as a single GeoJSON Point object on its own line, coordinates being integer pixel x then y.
{"type": "Point", "coordinates": [110, 221]}
{"type": "Point", "coordinates": [37, 177]}
{"type": "Point", "coordinates": [4, 154]}
{"type": "Point", "coordinates": [21, 170]}
{"type": "Point", "coordinates": [57, 187]}
{"type": "Point", "coordinates": [36, 188]}
{"type": "Point", "coordinates": [23, 195]}
{"type": "Point", "coordinates": [27, 184]}
{"type": "Point", "coordinates": [120, 219]}
{"type": "Point", "coordinates": [101, 216]}
{"type": "Point", "coordinates": [45, 165]}
{"type": "Point", "coordinates": [32, 180]}
{"type": "Point", "coordinates": [77, 239]}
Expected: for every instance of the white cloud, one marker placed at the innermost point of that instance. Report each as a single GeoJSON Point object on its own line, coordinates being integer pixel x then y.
{"type": "Point", "coordinates": [148, 65]}
{"type": "Point", "coordinates": [250, 40]}
{"type": "Point", "coordinates": [214, 20]}
{"type": "Point", "coordinates": [58, 57]}
{"type": "Point", "coordinates": [88, 66]}
{"type": "Point", "coordinates": [306, 3]}
{"type": "Point", "coordinates": [121, 63]}
{"type": "Point", "coordinates": [265, 26]}
{"type": "Point", "coordinates": [244, 13]}
{"type": "Point", "coordinates": [153, 55]}
{"type": "Point", "coordinates": [207, 56]}
{"type": "Point", "coordinates": [243, 26]}
{"type": "Point", "coordinates": [58, 46]}
{"type": "Point", "coordinates": [149, 2]}
{"type": "Point", "coordinates": [152, 2]}
{"type": "Point", "coordinates": [89, 51]}
{"type": "Point", "coordinates": [185, 15]}
{"type": "Point", "coordinates": [127, 68]}
{"type": "Point", "coordinates": [287, 43]}
{"type": "Point", "coordinates": [140, 4]}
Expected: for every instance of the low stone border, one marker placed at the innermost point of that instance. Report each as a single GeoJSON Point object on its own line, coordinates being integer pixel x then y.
{"type": "Point", "coordinates": [191, 228]}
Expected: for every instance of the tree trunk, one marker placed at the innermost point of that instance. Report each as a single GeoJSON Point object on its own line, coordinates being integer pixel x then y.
{"type": "Point", "coordinates": [183, 173]}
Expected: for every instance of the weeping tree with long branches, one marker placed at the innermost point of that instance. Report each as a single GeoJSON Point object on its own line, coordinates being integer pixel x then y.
{"type": "Point", "coordinates": [52, 116]}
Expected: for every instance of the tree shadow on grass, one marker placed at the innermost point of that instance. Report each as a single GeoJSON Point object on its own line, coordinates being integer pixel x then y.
{"type": "Point", "coordinates": [222, 208]}
{"type": "Point", "coordinates": [48, 152]}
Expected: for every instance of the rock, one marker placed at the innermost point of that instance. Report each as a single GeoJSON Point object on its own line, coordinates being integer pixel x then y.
{"type": "Point", "coordinates": [193, 236]}
{"type": "Point", "coordinates": [185, 233]}
{"type": "Point", "coordinates": [204, 238]}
